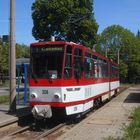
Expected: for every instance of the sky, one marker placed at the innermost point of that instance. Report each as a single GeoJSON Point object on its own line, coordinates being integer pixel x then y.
{"type": "Point", "coordinates": [121, 12]}
{"type": "Point", "coordinates": [107, 12]}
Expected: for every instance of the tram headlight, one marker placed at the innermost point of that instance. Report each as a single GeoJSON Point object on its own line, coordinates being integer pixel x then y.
{"type": "Point", "coordinates": [57, 96]}
{"type": "Point", "coordinates": [33, 95]}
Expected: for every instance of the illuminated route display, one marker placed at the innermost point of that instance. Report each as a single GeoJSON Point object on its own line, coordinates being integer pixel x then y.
{"type": "Point", "coordinates": [46, 48]}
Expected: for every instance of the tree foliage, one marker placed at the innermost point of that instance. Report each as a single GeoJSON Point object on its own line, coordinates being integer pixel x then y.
{"type": "Point", "coordinates": [116, 38]}
{"type": "Point", "coordinates": [21, 51]}
{"type": "Point", "coordinates": [71, 20]}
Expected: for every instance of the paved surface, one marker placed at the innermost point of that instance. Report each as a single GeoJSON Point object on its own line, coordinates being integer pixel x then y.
{"type": "Point", "coordinates": [108, 120]}
{"type": "Point", "coordinates": [6, 117]}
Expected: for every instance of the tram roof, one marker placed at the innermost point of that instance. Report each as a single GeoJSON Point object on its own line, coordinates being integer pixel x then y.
{"type": "Point", "coordinates": [54, 42]}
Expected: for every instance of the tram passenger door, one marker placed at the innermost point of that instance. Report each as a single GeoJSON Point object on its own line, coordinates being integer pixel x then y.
{"type": "Point", "coordinates": [68, 63]}
{"type": "Point", "coordinates": [78, 65]}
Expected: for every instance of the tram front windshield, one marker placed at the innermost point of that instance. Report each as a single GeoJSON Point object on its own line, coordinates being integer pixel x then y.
{"type": "Point", "coordinates": [47, 61]}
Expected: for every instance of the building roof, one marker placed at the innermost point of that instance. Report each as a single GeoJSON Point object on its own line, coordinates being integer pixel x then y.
{"type": "Point", "coordinates": [20, 61]}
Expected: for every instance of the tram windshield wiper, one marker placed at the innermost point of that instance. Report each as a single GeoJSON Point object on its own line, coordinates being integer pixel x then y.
{"type": "Point", "coordinates": [48, 76]}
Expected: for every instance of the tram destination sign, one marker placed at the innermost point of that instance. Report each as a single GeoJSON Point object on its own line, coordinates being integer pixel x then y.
{"type": "Point", "coordinates": [41, 49]}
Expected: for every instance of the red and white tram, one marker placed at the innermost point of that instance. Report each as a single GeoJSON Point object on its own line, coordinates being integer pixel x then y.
{"type": "Point", "coordinates": [69, 79]}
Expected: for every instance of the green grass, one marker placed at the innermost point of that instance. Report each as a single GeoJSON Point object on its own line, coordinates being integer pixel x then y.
{"type": "Point", "coordinates": [133, 130]}
{"type": "Point", "coordinates": [4, 99]}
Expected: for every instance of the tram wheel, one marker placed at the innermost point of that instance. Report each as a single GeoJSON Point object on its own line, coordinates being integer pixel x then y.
{"type": "Point", "coordinates": [98, 102]}
{"type": "Point", "coordinates": [77, 118]}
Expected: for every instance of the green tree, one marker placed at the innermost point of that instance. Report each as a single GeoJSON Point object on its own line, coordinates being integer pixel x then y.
{"type": "Point", "coordinates": [4, 51]}
{"type": "Point", "coordinates": [115, 38]}
{"type": "Point", "coordinates": [21, 51]}
{"type": "Point", "coordinates": [134, 62]}
{"type": "Point", "coordinates": [71, 20]}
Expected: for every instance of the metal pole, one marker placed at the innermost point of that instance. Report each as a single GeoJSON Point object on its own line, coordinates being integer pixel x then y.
{"type": "Point", "coordinates": [25, 84]}
{"type": "Point", "coordinates": [106, 51]}
{"type": "Point", "coordinates": [12, 58]}
{"type": "Point", "coordinates": [18, 88]}
{"type": "Point", "coordinates": [118, 56]}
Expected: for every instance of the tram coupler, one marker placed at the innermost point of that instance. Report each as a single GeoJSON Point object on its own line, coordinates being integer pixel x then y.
{"type": "Point", "coordinates": [42, 112]}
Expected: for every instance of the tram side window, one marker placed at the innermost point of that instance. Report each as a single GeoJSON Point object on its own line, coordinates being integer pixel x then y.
{"type": "Point", "coordinates": [77, 63]}
{"type": "Point", "coordinates": [95, 59]}
{"type": "Point", "coordinates": [89, 65]}
{"type": "Point", "coordinates": [115, 71]}
{"type": "Point", "coordinates": [100, 68]}
{"type": "Point", "coordinates": [68, 63]}
{"type": "Point", "coordinates": [105, 69]}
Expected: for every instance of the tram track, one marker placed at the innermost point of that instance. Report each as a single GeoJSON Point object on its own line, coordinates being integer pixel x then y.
{"type": "Point", "coordinates": [28, 132]}
{"type": "Point", "coordinates": [20, 131]}
{"type": "Point", "coordinates": [48, 132]}
{"type": "Point", "coordinates": [14, 125]}
{"type": "Point", "coordinates": [34, 135]}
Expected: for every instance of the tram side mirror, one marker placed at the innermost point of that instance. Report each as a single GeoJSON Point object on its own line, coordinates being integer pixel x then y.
{"type": "Point", "coordinates": [77, 74]}
{"type": "Point", "coordinates": [33, 76]}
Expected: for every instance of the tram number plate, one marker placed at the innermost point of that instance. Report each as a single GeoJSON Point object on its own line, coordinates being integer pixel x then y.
{"type": "Point", "coordinates": [44, 91]}
{"type": "Point", "coordinates": [75, 108]}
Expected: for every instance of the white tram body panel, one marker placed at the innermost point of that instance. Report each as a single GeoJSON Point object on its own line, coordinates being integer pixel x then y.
{"type": "Point", "coordinates": [82, 96]}
{"type": "Point", "coordinates": [115, 85]}
{"type": "Point", "coordinates": [45, 94]}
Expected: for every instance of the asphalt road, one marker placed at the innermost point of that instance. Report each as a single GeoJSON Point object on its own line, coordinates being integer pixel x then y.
{"type": "Point", "coordinates": [4, 91]}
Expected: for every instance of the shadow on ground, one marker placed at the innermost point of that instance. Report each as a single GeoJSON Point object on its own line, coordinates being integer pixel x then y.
{"type": "Point", "coordinates": [133, 98]}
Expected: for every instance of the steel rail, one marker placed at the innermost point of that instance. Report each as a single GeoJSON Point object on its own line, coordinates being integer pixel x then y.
{"type": "Point", "coordinates": [48, 132]}
{"type": "Point", "coordinates": [20, 130]}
